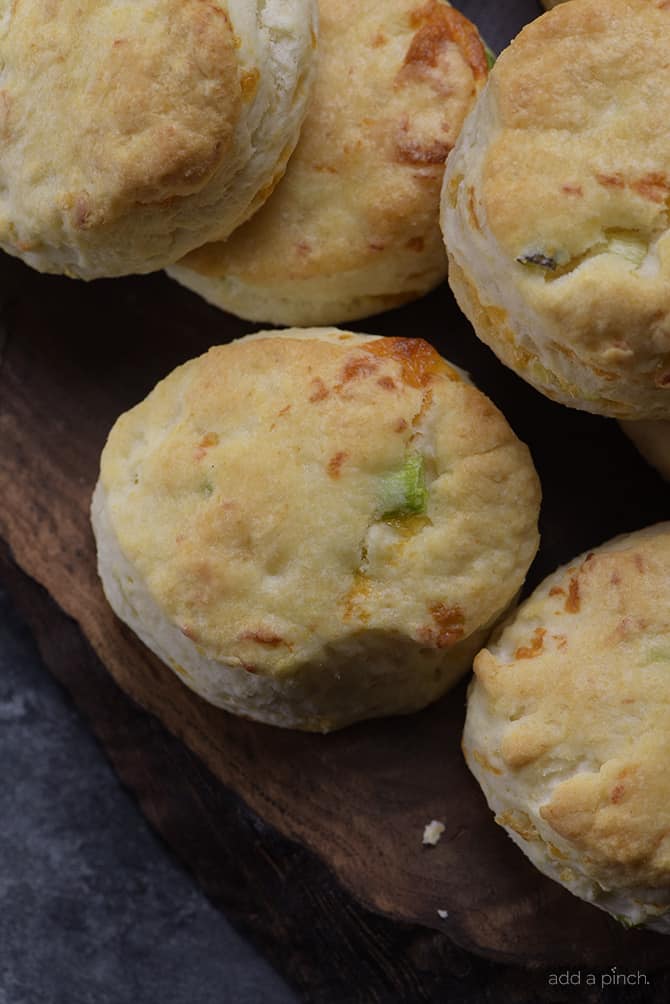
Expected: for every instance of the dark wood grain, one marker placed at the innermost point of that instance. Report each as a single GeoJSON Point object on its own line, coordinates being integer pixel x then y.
{"type": "Point", "coordinates": [74, 356]}
{"type": "Point", "coordinates": [282, 897]}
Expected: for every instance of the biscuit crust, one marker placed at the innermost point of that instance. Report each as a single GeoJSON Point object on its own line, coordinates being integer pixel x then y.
{"type": "Point", "coordinates": [352, 229]}
{"type": "Point", "coordinates": [128, 126]}
{"type": "Point", "coordinates": [653, 441]}
{"type": "Point", "coordinates": [555, 208]}
{"type": "Point", "coordinates": [241, 529]}
{"type": "Point", "coordinates": [568, 727]}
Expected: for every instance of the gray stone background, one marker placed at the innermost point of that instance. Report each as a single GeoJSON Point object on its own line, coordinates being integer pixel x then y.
{"type": "Point", "coordinates": [93, 909]}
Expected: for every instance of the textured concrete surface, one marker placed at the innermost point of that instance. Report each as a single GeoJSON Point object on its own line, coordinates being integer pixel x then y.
{"type": "Point", "coordinates": [92, 908]}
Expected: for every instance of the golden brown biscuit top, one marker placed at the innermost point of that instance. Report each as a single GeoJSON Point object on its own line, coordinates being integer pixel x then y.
{"type": "Point", "coordinates": [394, 84]}
{"type": "Point", "coordinates": [105, 105]}
{"type": "Point", "coordinates": [581, 682]}
{"type": "Point", "coordinates": [576, 180]}
{"type": "Point", "coordinates": [256, 491]}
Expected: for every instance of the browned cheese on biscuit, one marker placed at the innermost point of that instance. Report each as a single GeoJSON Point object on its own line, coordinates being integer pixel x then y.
{"type": "Point", "coordinates": [133, 131]}
{"type": "Point", "coordinates": [314, 527]}
{"type": "Point", "coordinates": [555, 207]}
{"type": "Point", "coordinates": [353, 227]}
{"type": "Point", "coordinates": [568, 727]}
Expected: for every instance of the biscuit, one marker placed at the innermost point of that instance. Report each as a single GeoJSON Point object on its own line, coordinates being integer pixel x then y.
{"type": "Point", "coordinates": [134, 131]}
{"type": "Point", "coordinates": [353, 227]}
{"type": "Point", "coordinates": [315, 527]}
{"type": "Point", "coordinates": [653, 441]}
{"type": "Point", "coordinates": [554, 208]}
{"type": "Point", "coordinates": [568, 727]}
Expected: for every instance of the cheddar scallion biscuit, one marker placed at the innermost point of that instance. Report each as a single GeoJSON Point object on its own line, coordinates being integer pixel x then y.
{"type": "Point", "coordinates": [135, 130]}
{"type": "Point", "coordinates": [568, 727]}
{"type": "Point", "coordinates": [555, 208]}
{"type": "Point", "coordinates": [353, 227]}
{"type": "Point", "coordinates": [314, 527]}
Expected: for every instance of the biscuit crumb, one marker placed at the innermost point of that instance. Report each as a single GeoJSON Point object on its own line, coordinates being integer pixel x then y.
{"type": "Point", "coordinates": [433, 832]}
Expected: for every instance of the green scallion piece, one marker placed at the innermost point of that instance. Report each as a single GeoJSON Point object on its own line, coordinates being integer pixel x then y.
{"type": "Point", "coordinates": [403, 492]}
{"type": "Point", "coordinates": [490, 55]}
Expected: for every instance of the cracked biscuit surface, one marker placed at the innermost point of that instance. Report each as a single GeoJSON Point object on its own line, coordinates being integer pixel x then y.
{"type": "Point", "coordinates": [314, 527]}
{"type": "Point", "coordinates": [352, 229]}
{"type": "Point", "coordinates": [568, 727]}
{"type": "Point", "coordinates": [134, 130]}
{"type": "Point", "coordinates": [555, 208]}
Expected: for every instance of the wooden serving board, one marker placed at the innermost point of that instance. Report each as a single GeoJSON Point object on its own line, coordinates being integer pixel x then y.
{"type": "Point", "coordinates": [72, 357]}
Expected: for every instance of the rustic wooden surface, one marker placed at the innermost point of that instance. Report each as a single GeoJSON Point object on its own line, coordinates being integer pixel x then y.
{"type": "Point", "coordinates": [73, 357]}
{"type": "Point", "coordinates": [282, 897]}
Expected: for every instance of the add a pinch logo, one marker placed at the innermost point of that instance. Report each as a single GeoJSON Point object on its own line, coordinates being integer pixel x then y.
{"type": "Point", "coordinates": [611, 978]}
